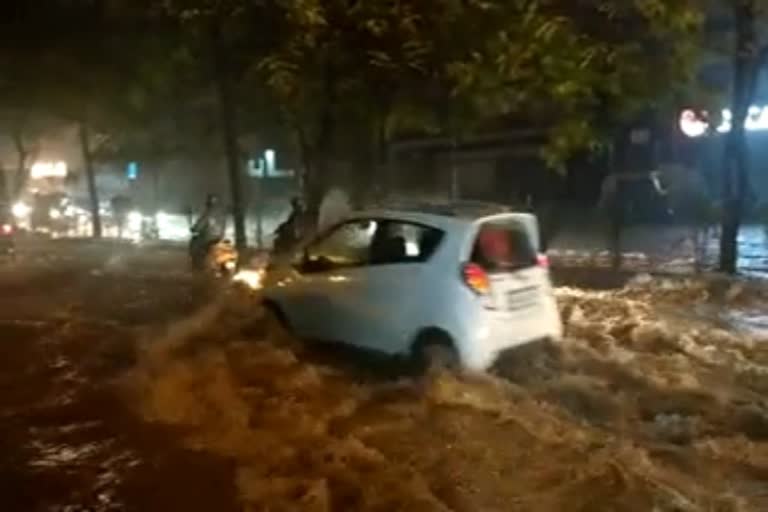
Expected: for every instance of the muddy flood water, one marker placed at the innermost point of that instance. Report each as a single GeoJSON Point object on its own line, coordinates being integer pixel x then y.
{"type": "Point", "coordinates": [128, 386]}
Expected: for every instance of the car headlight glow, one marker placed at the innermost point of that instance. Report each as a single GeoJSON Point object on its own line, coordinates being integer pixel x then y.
{"type": "Point", "coordinates": [253, 279]}
{"type": "Point", "coordinates": [20, 210]}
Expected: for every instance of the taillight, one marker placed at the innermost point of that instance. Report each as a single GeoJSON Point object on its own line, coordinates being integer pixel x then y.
{"type": "Point", "coordinates": [7, 229]}
{"type": "Point", "coordinates": [543, 261]}
{"type": "Point", "coordinates": [476, 278]}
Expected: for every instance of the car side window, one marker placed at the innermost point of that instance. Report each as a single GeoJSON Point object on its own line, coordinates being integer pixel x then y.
{"type": "Point", "coordinates": [347, 245]}
{"type": "Point", "coordinates": [403, 242]}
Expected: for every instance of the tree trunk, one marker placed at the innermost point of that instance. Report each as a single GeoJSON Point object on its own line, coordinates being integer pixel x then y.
{"type": "Point", "coordinates": [315, 187]}
{"type": "Point", "coordinates": [733, 204]}
{"type": "Point", "coordinates": [615, 205]}
{"type": "Point", "coordinates": [615, 235]}
{"type": "Point", "coordinates": [22, 173]}
{"type": "Point", "coordinates": [317, 154]}
{"type": "Point", "coordinates": [379, 181]}
{"type": "Point", "coordinates": [5, 193]}
{"type": "Point", "coordinates": [735, 165]}
{"type": "Point", "coordinates": [224, 92]}
{"type": "Point", "coordinates": [312, 187]}
{"type": "Point", "coordinates": [551, 216]}
{"type": "Point", "coordinates": [93, 193]}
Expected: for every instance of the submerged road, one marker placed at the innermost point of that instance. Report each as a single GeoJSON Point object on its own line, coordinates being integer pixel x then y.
{"type": "Point", "coordinates": [70, 314]}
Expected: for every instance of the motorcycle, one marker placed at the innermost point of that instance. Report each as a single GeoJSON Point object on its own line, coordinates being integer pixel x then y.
{"type": "Point", "coordinates": [223, 258]}
{"type": "Point", "coordinates": [218, 257]}
{"type": "Point", "coordinates": [285, 238]}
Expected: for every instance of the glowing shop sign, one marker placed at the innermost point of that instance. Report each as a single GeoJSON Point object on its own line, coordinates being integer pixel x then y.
{"type": "Point", "coordinates": [695, 125]}
{"type": "Point", "coordinates": [40, 170]}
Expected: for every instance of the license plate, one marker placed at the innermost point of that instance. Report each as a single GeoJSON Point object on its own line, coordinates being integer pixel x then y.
{"type": "Point", "coordinates": [521, 298]}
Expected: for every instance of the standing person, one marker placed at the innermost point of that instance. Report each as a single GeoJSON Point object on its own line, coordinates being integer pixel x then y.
{"type": "Point", "coordinates": [206, 231]}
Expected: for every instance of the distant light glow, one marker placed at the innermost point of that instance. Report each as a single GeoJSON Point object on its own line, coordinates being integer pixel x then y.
{"type": "Point", "coordinates": [251, 278]}
{"type": "Point", "coordinates": [270, 160]}
{"type": "Point", "coordinates": [41, 170]}
{"type": "Point", "coordinates": [21, 210]}
{"type": "Point", "coordinates": [55, 214]}
{"type": "Point", "coordinates": [132, 171]}
{"type": "Point", "coordinates": [256, 168]}
{"type": "Point", "coordinates": [693, 125]}
{"type": "Point", "coordinates": [135, 219]}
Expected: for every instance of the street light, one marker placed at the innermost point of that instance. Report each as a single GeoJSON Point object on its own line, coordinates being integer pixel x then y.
{"type": "Point", "coordinates": [270, 157]}
{"type": "Point", "coordinates": [21, 210]}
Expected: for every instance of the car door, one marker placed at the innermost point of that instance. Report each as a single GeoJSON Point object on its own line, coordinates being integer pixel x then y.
{"type": "Point", "coordinates": [386, 299]}
{"type": "Point", "coordinates": [325, 297]}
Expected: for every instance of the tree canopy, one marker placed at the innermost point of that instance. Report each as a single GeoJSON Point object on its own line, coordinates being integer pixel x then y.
{"type": "Point", "coordinates": [436, 65]}
{"type": "Point", "coordinates": [345, 77]}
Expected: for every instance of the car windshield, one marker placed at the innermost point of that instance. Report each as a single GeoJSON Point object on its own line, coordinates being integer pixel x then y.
{"type": "Point", "coordinates": [502, 246]}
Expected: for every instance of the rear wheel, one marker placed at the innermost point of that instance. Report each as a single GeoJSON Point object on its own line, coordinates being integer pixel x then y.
{"type": "Point", "coordinates": [434, 351]}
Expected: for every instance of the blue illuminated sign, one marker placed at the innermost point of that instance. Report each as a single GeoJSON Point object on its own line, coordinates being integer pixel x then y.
{"type": "Point", "coordinates": [132, 171]}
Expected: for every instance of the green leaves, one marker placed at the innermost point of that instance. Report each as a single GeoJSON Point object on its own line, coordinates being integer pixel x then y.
{"type": "Point", "coordinates": [561, 65]}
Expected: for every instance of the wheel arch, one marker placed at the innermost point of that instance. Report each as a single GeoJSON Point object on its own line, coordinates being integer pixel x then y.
{"type": "Point", "coordinates": [274, 307]}
{"type": "Point", "coordinates": [432, 334]}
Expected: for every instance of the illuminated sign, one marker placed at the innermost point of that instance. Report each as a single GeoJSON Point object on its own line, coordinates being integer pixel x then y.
{"type": "Point", "coordinates": [40, 170]}
{"type": "Point", "coordinates": [692, 125]}
{"type": "Point", "coordinates": [132, 171]}
{"type": "Point", "coordinates": [266, 167]}
{"type": "Point", "coordinates": [270, 159]}
{"type": "Point", "coordinates": [256, 168]}
{"type": "Point", "coordinates": [695, 124]}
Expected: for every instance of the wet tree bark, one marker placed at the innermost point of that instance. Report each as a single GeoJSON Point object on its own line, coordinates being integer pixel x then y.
{"type": "Point", "coordinates": [93, 193]}
{"type": "Point", "coordinates": [735, 185]}
{"type": "Point", "coordinates": [5, 193]}
{"type": "Point", "coordinates": [225, 96]}
{"type": "Point", "coordinates": [22, 157]}
{"type": "Point", "coordinates": [317, 152]}
{"type": "Point", "coordinates": [615, 205]}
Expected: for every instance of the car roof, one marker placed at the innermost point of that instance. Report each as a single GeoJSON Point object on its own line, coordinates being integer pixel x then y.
{"type": "Point", "coordinates": [440, 215]}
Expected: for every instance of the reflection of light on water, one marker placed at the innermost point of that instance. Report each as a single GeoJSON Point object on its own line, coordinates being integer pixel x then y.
{"type": "Point", "coordinates": [251, 278]}
{"type": "Point", "coordinates": [750, 322]}
{"type": "Point", "coordinates": [753, 250]}
{"type": "Point", "coordinates": [53, 455]}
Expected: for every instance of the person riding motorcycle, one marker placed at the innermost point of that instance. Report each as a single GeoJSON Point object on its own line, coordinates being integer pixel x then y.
{"type": "Point", "coordinates": [289, 232]}
{"type": "Point", "coordinates": [207, 231]}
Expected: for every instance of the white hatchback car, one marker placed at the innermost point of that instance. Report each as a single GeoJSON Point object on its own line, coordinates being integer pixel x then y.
{"type": "Point", "coordinates": [454, 284]}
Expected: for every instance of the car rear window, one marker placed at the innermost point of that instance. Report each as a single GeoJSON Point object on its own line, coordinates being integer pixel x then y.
{"type": "Point", "coordinates": [503, 246]}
